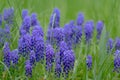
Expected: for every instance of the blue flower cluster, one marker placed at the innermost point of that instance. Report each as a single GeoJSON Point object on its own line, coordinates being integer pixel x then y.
{"type": "Point", "coordinates": [109, 45]}
{"type": "Point", "coordinates": [8, 15]}
{"type": "Point", "coordinates": [117, 61]}
{"type": "Point", "coordinates": [31, 41]}
{"type": "Point", "coordinates": [68, 61]}
{"type": "Point", "coordinates": [10, 57]}
{"type": "Point", "coordinates": [58, 67]}
{"type": "Point", "coordinates": [6, 22]}
{"type": "Point", "coordinates": [56, 47]}
{"type": "Point", "coordinates": [4, 35]}
{"type": "Point", "coordinates": [49, 57]}
{"type": "Point", "coordinates": [28, 68]}
{"type": "Point", "coordinates": [0, 19]}
{"type": "Point", "coordinates": [89, 62]}
{"type": "Point", "coordinates": [55, 19]}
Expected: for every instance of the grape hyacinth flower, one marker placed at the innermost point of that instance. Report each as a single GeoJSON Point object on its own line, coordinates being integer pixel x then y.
{"type": "Point", "coordinates": [68, 61]}
{"type": "Point", "coordinates": [58, 35]}
{"type": "Point", "coordinates": [4, 35]}
{"type": "Point", "coordinates": [80, 19]}
{"type": "Point", "coordinates": [9, 15]}
{"type": "Point", "coordinates": [24, 13]}
{"type": "Point", "coordinates": [26, 23]}
{"type": "Point", "coordinates": [58, 68]}
{"type": "Point", "coordinates": [54, 22]}
{"type": "Point", "coordinates": [0, 19]}
{"type": "Point", "coordinates": [24, 45]}
{"type": "Point", "coordinates": [63, 47]}
{"type": "Point", "coordinates": [55, 19]}
{"type": "Point", "coordinates": [7, 54]}
{"type": "Point", "coordinates": [117, 53]}
{"type": "Point", "coordinates": [7, 29]}
{"type": "Point", "coordinates": [91, 22]}
{"type": "Point", "coordinates": [99, 28]}
{"type": "Point", "coordinates": [88, 30]}
{"type": "Point", "coordinates": [89, 62]}
{"type": "Point", "coordinates": [14, 57]}
{"type": "Point", "coordinates": [2, 40]}
{"type": "Point", "coordinates": [22, 32]}
{"type": "Point", "coordinates": [78, 34]}
{"type": "Point", "coordinates": [49, 57]}
{"type": "Point", "coordinates": [37, 31]}
{"type": "Point", "coordinates": [117, 61]}
{"type": "Point", "coordinates": [109, 45]}
{"type": "Point", "coordinates": [34, 20]}
{"type": "Point", "coordinates": [117, 44]}
{"type": "Point", "coordinates": [32, 57]}
{"type": "Point", "coordinates": [28, 69]}
{"type": "Point", "coordinates": [38, 47]}
{"type": "Point", "coordinates": [7, 32]}
{"type": "Point", "coordinates": [69, 33]}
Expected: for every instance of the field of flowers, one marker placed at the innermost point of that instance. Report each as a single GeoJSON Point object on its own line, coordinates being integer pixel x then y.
{"type": "Point", "coordinates": [59, 40]}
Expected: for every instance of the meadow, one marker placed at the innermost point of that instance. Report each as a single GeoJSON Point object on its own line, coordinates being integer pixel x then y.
{"type": "Point", "coordinates": [67, 40]}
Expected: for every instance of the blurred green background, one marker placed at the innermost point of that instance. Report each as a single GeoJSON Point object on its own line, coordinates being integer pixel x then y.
{"type": "Point", "coordinates": [105, 10]}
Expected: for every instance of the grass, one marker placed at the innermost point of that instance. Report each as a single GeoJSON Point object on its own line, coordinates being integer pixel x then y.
{"type": "Point", "coordinates": [105, 10]}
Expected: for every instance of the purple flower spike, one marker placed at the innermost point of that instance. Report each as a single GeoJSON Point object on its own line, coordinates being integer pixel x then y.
{"type": "Point", "coordinates": [88, 30]}
{"type": "Point", "coordinates": [69, 33]}
{"type": "Point", "coordinates": [38, 47]}
{"type": "Point", "coordinates": [91, 22]}
{"type": "Point", "coordinates": [117, 61]}
{"type": "Point", "coordinates": [109, 45]}
{"type": "Point", "coordinates": [24, 13]}
{"type": "Point", "coordinates": [24, 45]}
{"type": "Point", "coordinates": [89, 62]}
{"type": "Point", "coordinates": [37, 31]}
{"type": "Point", "coordinates": [58, 68]}
{"type": "Point", "coordinates": [7, 29]}
{"type": "Point", "coordinates": [1, 37]}
{"type": "Point", "coordinates": [63, 47]}
{"type": "Point", "coordinates": [58, 35]}
{"type": "Point", "coordinates": [22, 32]}
{"type": "Point", "coordinates": [7, 54]}
{"type": "Point", "coordinates": [4, 35]}
{"type": "Point", "coordinates": [32, 57]}
{"type": "Point", "coordinates": [14, 57]}
{"type": "Point", "coordinates": [99, 28]}
{"type": "Point", "coordinates": [26, 23]}
{"type": "Point", "coordinates": [117, 53]}
{"type": "Point", "coordinates": [55, 19]}
{"type": "Point", "coordinates": [80, 19]}
{"type": "Point", "coordinates": [49, 57]}
{"type": "Point", "coordinates": [34, 20]}
{"type": "Point", "coordinates": [9, 15]}
{"type": "Point", "coordinates": [68, 61]}
{"type": "Point", "coordinates": [7, 32]}
{"type": "Point", "coordinates": [28, 69]}
{"type": "Point", "coordinates": [117, 44]}
{"type": "Point", "coordinates": [0, 19]}
{"type": "Point", "coordinates": [78, 34]}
